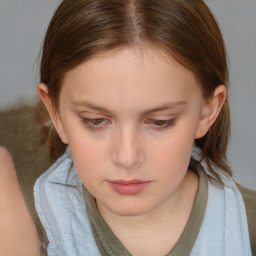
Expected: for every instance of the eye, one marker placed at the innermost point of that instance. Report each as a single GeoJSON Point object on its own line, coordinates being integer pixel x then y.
{"type": "Point", "coordinates": [100, 123]}
{"type": "Point", "coordinates": [161, 124]}
{"type": "Point", "coordinates": [94, 124]}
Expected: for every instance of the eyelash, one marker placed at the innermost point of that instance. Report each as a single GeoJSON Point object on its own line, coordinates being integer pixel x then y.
{"type": "Point", "coordinates": [89, 123]}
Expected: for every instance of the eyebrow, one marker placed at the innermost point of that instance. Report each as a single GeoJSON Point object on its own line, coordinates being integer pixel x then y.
{"type": "Point", "coordinates": [168, 105]}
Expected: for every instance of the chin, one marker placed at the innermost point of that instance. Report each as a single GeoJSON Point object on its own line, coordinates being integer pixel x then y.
{"type": "Point", "coordinates": [128, 213]}
{"type": "Point", "coordinates": [128, 209]}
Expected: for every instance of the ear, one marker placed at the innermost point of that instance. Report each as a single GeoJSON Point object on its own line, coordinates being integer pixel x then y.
{"type": "Point", "coordinates": [42, 91]}
{"type": "Point", "coordinates": [211, 110]}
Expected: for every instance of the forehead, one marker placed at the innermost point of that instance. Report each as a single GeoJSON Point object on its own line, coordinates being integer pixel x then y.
{"type": "Point", "coordinates": [130, 77]}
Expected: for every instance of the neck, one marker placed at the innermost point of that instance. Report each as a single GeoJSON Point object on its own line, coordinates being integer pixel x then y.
{"type": "Point", "coordinates": [160, 228]}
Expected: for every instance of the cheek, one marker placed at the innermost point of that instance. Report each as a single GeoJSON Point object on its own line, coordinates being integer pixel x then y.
{"type": "Point", "coordinates": [172, 161]}
{"type": "Point", "coordinates": [89, 163]}
{"type": "Point", "coordinates": [87, 152]}
{"type": "Point", "coordinates": [175, 149]}
{"type": "Point", "coordinates": [176, 144]}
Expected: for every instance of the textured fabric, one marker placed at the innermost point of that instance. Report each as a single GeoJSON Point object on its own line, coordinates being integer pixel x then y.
{"type": "Point", "coordinates": [249, 197]}
{"type": "Point", "coordinates": [60, 206]}
{"type": "Point", "coordinates": [224, 230]}
{"type": "Point", "coordinates": [61, 209]}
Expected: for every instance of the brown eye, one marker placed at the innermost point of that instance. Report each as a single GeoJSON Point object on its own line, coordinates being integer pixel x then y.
{"type": "Point", "coordinates": [161, 124]}
{"type": "Point", "coordinates": [94, 124]}
{"type": "Point", "coordinates": [96, 121]}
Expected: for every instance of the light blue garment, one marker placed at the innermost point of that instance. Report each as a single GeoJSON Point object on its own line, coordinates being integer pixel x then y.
{"type": "Point", "coordinates": [224, 230]}
{"type": "Point", "coordinates": [61, 209]}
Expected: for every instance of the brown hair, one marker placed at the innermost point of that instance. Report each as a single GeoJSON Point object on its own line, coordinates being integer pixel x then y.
{"type": "Point", "coordinates": [186, 29]}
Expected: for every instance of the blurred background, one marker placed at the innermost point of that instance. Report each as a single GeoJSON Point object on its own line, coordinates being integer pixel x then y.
{"type": "Point", "coordinates": [23, 24]}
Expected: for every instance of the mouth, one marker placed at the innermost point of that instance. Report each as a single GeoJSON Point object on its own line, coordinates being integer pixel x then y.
{"type": "Point", "coordinates": [131, 187]}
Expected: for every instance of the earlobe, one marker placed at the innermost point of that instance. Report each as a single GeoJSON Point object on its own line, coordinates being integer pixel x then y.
{"type": "Point", "coordinates": [42, 91]}
{"type": "Point", "coordinates": [211, 110]}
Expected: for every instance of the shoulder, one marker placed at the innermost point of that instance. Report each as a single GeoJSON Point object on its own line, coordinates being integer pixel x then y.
{"type": "Point", "coordinates": [249, 197]}
{"type": "Point", "coordinates": [15, 222]}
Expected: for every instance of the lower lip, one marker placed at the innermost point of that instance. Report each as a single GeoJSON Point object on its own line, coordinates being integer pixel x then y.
{"type": "Point", "coordinates": [129, 189]}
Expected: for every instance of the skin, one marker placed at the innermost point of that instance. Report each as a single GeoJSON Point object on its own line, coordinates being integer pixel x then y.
{"type": "Point", "coordinates": [129, 145]}
{"type": "Point", "coordinates": [18, 232]}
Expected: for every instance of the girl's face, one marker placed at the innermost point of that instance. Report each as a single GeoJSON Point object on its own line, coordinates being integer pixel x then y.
{"type": "Point", "coordinates": [130, 120]}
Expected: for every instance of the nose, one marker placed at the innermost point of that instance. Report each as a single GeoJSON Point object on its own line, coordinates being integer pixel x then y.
{"type": "Point", "coordinates": [127, 153]}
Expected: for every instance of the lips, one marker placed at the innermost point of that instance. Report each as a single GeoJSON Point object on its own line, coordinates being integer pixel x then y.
{"type": "Point", "coordinates": [131, 187]}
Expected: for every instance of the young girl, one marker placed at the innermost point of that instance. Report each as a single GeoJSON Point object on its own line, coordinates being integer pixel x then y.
{"type": "Point", "coordinates": [128, 88]}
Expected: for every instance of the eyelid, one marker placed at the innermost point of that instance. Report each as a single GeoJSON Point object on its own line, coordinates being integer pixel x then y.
{"type": "Point", "coordinates": [162, 116]}
{"type": "Point", "coordinates": [167, 123]}
{"type": "Point", "coordinates": [90, 115]}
